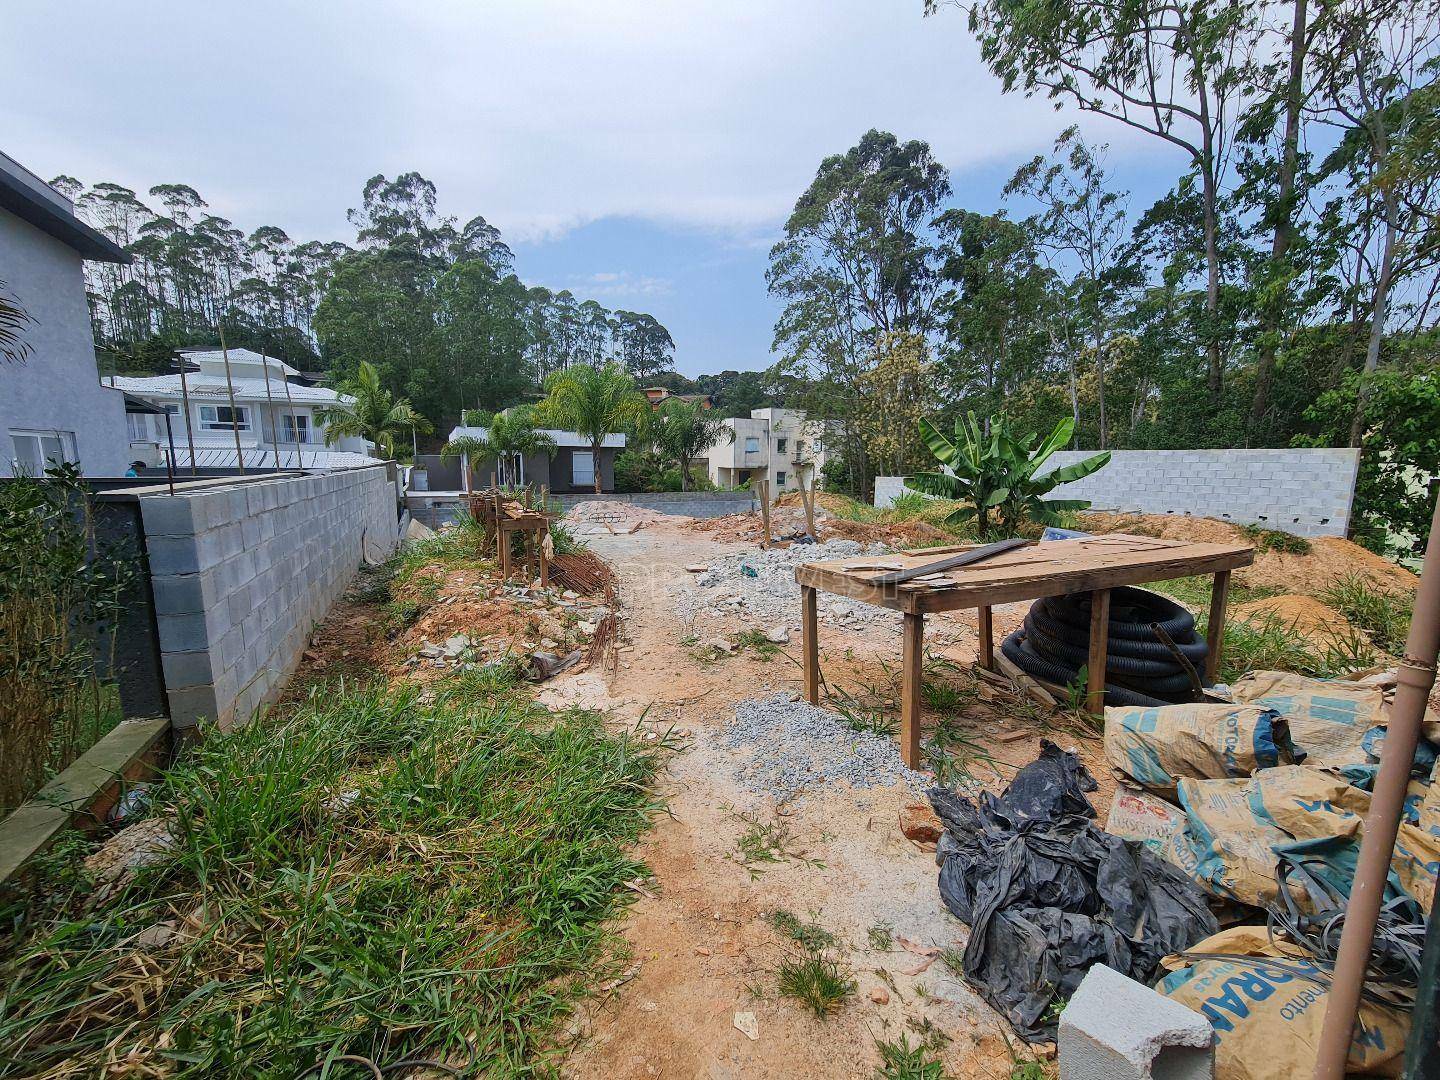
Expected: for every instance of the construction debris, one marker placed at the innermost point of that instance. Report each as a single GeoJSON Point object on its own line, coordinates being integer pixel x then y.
{"type": "Point", "coordinates": [603, 517]}
{"type": "Point", "coordinates": [582, 572]}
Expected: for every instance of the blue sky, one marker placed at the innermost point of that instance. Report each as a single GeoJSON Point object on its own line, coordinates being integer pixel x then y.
{"type": "Point", "coordinates": [645, 154]}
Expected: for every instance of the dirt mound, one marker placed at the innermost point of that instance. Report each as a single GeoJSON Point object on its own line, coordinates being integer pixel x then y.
{"type": "Point", "coordinates": [1330, 558]}
{"type": "Point", "coordinates": [597, 517]}
{"type": "Point", "coordinates": [1307, 616]}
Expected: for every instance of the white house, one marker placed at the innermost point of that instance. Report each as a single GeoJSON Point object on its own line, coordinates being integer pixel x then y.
{"type": "Point", "coordinates": [770, 444]}
{"type": "Point", "coordinates": [274, 415]}
{"type": "Point", "coordinates": [52, 405]}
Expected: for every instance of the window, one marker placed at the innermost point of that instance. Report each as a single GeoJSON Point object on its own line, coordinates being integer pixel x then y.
{"type": "Point", "coordinates": [780, 448]}
{"type": "Point", "coordinates": [139, 426]}
{"type": "Point", "coordinates": [582, 468]}
{"type": "Point", "coordinates": [752, 444]}
{"type": "Point", "coordinates": [36, 451]}
{"type": "Point", "coordinates": [297, 427]}
{"type": "Point", "coordinates": [780, 478]}
{"type": "Point", "coordinates": [224, 418]}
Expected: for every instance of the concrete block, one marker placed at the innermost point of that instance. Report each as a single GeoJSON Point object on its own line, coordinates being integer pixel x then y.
{"type": "Point", "coordinates": [172, 555]}
{"type": "Point", "coordinates": [1115, 1028]}
{"type": "Point", "coordinates": [168, 515]}
{"type": "Point", "coordinates": [192, 706]}
{"type": "Point", "coordinates": [183, 633]}
{"type": "Point", "coordinates": [186, 669]}
{"type": "Point", "coordinates": [183, 594]}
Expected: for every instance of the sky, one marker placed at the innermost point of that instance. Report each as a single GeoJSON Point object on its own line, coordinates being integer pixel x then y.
{"type": "Point", "coordinates": [645, 154]}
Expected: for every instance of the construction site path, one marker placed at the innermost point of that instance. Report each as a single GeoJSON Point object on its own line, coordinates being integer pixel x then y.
{"type": "Point", "coordinates": [704, 946]}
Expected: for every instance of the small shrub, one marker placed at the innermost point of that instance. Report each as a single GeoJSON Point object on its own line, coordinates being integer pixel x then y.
{"type": "Point", "coordinates": [565, 541]}
{"type": "Point", "coordinates": [1383, 615]}
{"type": "Point", "coordinates": [810, 935]}
{"type": "Point", "coordinates": [1275, 540]}
{"type": "Point", "coordinates": [882, 937]}
{"type": "Point", "coordinates": [899, 1060]}
{"type": "Point", "coordinates": [756, 641]}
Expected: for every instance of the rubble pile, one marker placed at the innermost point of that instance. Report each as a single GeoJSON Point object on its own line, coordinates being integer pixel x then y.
{"type": "Point", "coordinates": [603, 517]}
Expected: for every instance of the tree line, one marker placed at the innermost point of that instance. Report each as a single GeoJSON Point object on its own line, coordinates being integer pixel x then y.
{"type": "Point", "coordinates": [435, 306]}
{"type": "Point", "coordinates": [1282, 292]}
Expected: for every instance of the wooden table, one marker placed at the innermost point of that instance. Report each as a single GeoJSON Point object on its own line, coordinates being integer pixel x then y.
{"type": "Point", "coordinates": [1094, 564]}
{"type": "Point", "coordinates": [502, 517]}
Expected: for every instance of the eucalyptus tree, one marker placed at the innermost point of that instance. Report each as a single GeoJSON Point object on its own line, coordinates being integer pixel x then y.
{"type": "Point", "coordinates": [1082, 223]}
{"type": "Point", "coordinates": [1174, 69]}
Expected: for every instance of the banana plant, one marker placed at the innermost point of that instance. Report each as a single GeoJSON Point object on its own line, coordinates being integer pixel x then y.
{"type": "Point", "coordinates": [995, 473]}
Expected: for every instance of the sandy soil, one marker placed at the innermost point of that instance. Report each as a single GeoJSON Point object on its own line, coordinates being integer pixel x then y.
{"type": "Point", "coordinates": [1304, 614]}
{"type": "Point", "coordinates": [703, 949]}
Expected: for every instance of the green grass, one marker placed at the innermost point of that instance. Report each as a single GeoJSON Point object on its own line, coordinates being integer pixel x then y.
{"type": "Point", "coordinates": [881, 937]}
{"type": "Point", "coordinates": [1194, 592]}
{"type": "Point", "coordinates": [899, 1060]}
{"type": "Point", "coordinates": [1384, 616]}
{"type": "Point", "coordinates": [763, 844]}
{"type": "Point", "coordinates": [1274, 540]}
{"type": "Point", "coordinates": [756, 641]}
{"type": "Point", "coordinates": [809, 935]}
{"type": "Point", "coordinates": [566, 542]}
{"type": "Point", "coordinates": [816, 982]}
{"type": "Point", "coordinates": [1267, 642]}
{"type": "Point", "coordinates": [453, 904]}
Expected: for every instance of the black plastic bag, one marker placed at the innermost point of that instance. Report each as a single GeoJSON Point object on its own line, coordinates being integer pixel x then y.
{"type": "Point", "coordinates": [1047, 894]}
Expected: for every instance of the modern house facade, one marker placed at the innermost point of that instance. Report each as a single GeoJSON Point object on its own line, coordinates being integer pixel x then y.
{"type": "Point", "coordinates": [778, 445]}
{"type": "Point", "coordinates": [570, 467]}
{"type": "Point", "coordinates": [53, 407]}
{"type": "Point", "coordinates": [264, 401]}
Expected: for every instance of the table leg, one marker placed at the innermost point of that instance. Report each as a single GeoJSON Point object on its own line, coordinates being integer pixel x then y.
{"type": "Point", "coordinates": [1215, 632]}
{"type": "Point", "coordinates": [1099, 640]}
{"type": "Point", "coordinates": [544, 564]}
{"type": "Point", "coordinates": [911, 661]}
{"type": "Point", "coordinates": [503, 545]}
{"type": "Point", "coordinates": [986, 650]}
{"type": "Point", "coordinates": [810, 644]}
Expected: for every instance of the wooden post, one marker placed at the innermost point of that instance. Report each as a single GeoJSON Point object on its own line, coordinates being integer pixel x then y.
{"type": "Point", "coordinates": [544, 562]}
{"type": "Point", "coordinates": [1099, 642]}
{"type": "Point", "coordinates": [1215, 632]}
{"type": "Point", "coordinates": [911, 660]}
{"type": "Point", "coordinates": [810, 643]}
{"type": "Point", "coordinates": [765, 510]}
{"type": "Point", "coordinates": [504, 544]}
{"type": "Point", "coordinates": [807, 497]}
{"type": "Point", "coordinates": [986, 648]}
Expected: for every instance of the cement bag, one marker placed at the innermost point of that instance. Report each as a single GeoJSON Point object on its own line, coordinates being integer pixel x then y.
{"type": "Point", "coordinates": [1236, 830]}
{"type": "Point", "coordinates": [1332, 721]}
{"type": "Point", "coordinates": [1267, 1012]}
{"type": "Point", "coordinates": [1155, 747]}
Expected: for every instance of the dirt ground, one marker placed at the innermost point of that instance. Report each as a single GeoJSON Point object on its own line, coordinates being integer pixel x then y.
{"type": "Point", "coordinates": [703, 949]}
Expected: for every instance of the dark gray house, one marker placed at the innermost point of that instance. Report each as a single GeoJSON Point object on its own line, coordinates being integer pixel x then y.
{"type": "Point", "coordinates": [569, 468]}
{"type": "Point", "coordinates": [53, 406]}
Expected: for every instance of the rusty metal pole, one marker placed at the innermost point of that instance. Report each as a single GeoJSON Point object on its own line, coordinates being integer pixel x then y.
{"type": "Point", "coordinates": [1382, 823]}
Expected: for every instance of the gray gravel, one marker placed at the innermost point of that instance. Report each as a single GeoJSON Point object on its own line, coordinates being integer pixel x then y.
{"type": "Point", "coordinates": [772, 596]}
{"type": "Point", "coordinates": [792, 746]}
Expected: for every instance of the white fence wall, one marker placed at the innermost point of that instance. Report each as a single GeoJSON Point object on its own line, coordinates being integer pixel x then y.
{"type": "Point", "coordinates": [1307, 492]}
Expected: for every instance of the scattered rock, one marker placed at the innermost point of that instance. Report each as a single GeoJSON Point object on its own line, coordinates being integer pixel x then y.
{"type": "Point", "coordinates": [721, 645]}
{"type": "Point", "coordinates": [697, 568]}
{"type": "Point", "coordinates": [429, 651]}
{"type": "Point", "coordinates": [155, 937]}
{"type": "Point", "coordinates": [747, 1025]}
{"type": "Point", "coordinates": [146, 843]}
{"type": "Point", "coordinates": [778, 634]}
{"type": "Point", "coordinates": [880, 996]}
{"type": "Point", "coordinates": [456, 645]}
{"type": "Point", "coordinates": [919, 823]}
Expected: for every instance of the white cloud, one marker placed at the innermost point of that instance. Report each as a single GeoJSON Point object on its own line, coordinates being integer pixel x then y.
{"type": "Point", "coordinates": [542, 115]}
{"type": "Point", "coordinates": [615, 284]}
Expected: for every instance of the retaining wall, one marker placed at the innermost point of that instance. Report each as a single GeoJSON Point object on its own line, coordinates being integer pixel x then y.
{"type": "Point", "coordinates": [241, 574]}
{"type": "Point", "coordinates": [1307, 492]}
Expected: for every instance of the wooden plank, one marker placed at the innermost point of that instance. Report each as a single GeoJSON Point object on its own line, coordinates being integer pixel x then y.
{"type": "Point", "coordinates": [950, 562]}
{"type": "Point", "coordinates": [1025, 682]}
{"type": "Point", "coordinates": [855, 588]}
{"type": "Point", "coordinates": [1099, 643]}
{"type": "Point", "coordinates": [765, 509]}
{"type": "Point", "coordinates": [1215, 631]}
{"type": "Point", "coordinates": [810, 644]}
{"type": "Point", "coordinates": [911, 660]}
{"type": "Point", "coordinates": [986, 649]}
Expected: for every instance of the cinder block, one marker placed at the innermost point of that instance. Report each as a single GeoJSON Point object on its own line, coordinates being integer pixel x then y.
{"type": "Point", "coordinates": [167, 515]}
{"type": "Point", "coordinates": [172, 554]}
{"type": "Point", "coordinates": [187, 669]}
{"type": "Point", "coordinates": [191, 706]}
{"type": "Point", "coordinates": [1115, 1028]}
{"type": "Point", "coordinates": [183, 633]}
{"type": "Point", "coordinates": [183, 594]}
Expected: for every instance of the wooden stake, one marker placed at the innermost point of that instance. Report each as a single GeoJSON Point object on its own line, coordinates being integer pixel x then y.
{"type": "Point", "coordinates": [765, 509]}
{"type": "Point", "coordinates": [807, 497]}
{"type": "Point", "coordinates": [1215, 632]}
{"type": "Point", "coordinates": [810, 644]}
{"type": "Point", "coordinates": [1099, 643]}
{"type": "Point", "coordinates": [911, 658]}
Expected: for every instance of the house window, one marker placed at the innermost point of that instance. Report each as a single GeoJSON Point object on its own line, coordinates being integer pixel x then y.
{"type": "Point", "coordinates": [752, 444]}
{"type": "Point", "coordinates": [799, 447]}
{"type": "Point", "coordinates": [139, 425]}
{"type": "Point", "coordinates": [224, 418]}
{"type": "Point", "coordinates": [780, 478]}
{"type": "Point", "coordinates": [297, 427]}
{"type": "Point", "coordinates": [780, 448]}
{"type": "Point", "coordinates": [36, 451]}
{"type": "Point", "coordinates": [582, 468]}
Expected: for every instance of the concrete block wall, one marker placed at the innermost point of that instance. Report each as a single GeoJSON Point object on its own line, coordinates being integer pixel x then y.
{"type": "Point", "coordinates": [1308, 492]}
{"type": "Point", "coordinates": [242, 573]}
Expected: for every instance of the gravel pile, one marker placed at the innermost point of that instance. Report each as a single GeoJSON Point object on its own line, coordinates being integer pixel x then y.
{"type": "Point", "coordinates": [761, 586]}
{"type": "Point", "coordinates": [793, 745]}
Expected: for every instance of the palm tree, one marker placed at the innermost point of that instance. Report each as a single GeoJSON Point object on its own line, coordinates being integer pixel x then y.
{"type": "Point", "coordinates": [13, 320]}
{"type": "Point", "coordinates": [685, 430]}
{"type": "Point", "coordinates": [592, 402]}
{"type": "Point", "coordinates": [375, 415]}
{"type": "Point", "coordinates": [509, 438]}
